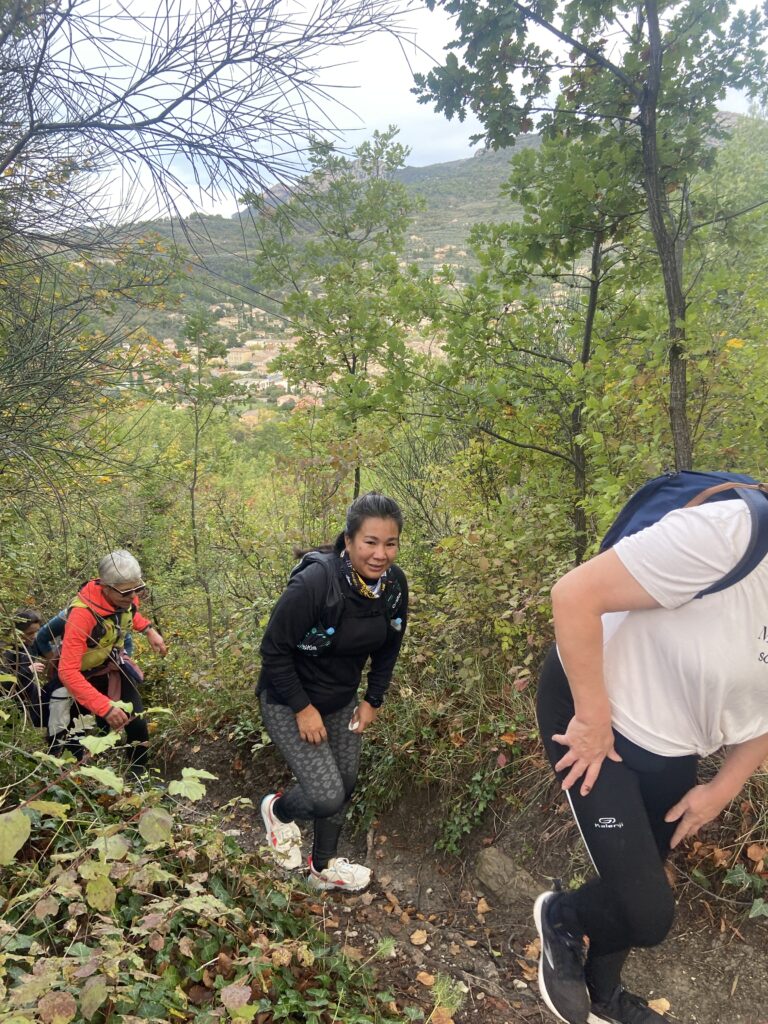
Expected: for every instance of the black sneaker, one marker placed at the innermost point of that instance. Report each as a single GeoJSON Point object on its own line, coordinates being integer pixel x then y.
{"type": "Point", "coordinates": [624, 1008]}
{"type": "Point", "coordinates": [561, 965]}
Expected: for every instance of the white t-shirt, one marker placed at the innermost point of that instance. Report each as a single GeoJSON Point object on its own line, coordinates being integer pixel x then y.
{"type": "Point", "coordinates": [692, 675]}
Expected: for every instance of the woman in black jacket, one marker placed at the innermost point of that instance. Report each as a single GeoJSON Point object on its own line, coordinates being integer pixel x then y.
{"type": "Point", "coordinates": [339, 609]}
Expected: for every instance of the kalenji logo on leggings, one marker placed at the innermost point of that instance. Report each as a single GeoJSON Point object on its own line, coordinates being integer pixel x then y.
{"type": "Point", "coordinates": [608, 823]}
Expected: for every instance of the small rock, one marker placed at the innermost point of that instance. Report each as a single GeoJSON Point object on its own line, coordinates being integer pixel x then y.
{"type": "Point", "coordinates": [499, 874]}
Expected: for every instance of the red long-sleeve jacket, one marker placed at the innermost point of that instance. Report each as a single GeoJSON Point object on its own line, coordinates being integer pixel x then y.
{"type": "Point", "coordinates": [81, 623]}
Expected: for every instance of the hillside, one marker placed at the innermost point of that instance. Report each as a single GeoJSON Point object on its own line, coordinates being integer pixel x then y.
{"type": "Point", "coordinates": [456, 195]}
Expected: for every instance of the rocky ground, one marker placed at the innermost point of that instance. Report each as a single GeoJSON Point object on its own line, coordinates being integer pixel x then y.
{"type": "Point", "coordinates": [462, 927]}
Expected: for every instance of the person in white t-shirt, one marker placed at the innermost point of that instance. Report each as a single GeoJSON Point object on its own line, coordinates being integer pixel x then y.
{"type": "Point", "coordinates": [646, 679]}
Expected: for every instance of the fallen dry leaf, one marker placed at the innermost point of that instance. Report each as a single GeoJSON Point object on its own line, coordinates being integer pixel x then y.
{"type": "Point", "coordinates": [46, 907]}
{"type": "Point", "coordinates": [659, 1005]}
{"type": "Point", "coordinates": [530, 971]}
{"type": "Point", "coordinates": [234, 997]}
{"type": "Point", "coordinates": [199, 994]}
{"type": "Point", "coordinates": [483, 906]}
{"type": "Point", "coordinates": [440, 1015]}
{"type": "Point", "coordinates": [225, 965]}
{"type": "Point", "coordinates": [425, 979]}
{"type": "Point", "coordinates": [719, 857]}
{"type": "Point", "coordinates": [57, 1008]}
{"type": "Point", "coordinates": [419, 937]}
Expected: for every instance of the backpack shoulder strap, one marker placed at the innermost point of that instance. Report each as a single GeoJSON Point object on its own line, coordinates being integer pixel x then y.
{"type": "Point", "coordinates": [332, 596]}
{"type": "Point", "coordinates": [757, 548]}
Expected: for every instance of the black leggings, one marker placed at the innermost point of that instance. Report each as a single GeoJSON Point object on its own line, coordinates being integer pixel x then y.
{"type": "Point", "coordinates": [136, 732]}
{"type": "Point", "coordinates": [622, 825]}
{"type": "Point", "coordinates": [326, 773]}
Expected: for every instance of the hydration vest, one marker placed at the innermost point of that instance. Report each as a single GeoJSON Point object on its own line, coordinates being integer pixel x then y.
{"type": "Point", "coordinates": [107, 635]}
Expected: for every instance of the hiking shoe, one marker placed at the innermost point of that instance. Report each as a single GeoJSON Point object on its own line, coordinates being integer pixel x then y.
{"type": "Point", "coordinates": [561, 965]}
{"type": "Point", "coordinates": [283, 839]}
{"type": "Point", "coordinates": [624, 1008]}
{"type": "Point", "coordinates": [340, 874]}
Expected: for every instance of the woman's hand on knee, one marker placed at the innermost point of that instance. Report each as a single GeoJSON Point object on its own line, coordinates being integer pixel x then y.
{"type": "Point", "coordinates": [588, 746]}
{"type": "Point", "coordinates": [310, 723]}
{"type": "Point", "coordinates": [699, 805]}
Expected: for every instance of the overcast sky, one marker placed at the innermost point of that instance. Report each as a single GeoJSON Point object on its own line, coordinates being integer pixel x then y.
{"type": "Point", "coordinates": [376, 85]}
{"type": "Point", "coordinates": [372, 83]}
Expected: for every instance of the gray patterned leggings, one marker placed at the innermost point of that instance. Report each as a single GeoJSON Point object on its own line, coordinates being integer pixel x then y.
{"type": "Point", "coordinates": [325, 773]}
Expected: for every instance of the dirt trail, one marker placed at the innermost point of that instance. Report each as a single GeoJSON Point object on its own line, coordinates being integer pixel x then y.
{"type": "Point", "coordinates": [444, 921]}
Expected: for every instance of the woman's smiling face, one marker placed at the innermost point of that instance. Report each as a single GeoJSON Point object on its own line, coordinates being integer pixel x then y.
{"type": "Point", "coordinates": [374, 547]}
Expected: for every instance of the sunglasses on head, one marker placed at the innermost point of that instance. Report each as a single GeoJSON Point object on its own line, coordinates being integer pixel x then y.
{"type": "Point", "coordinates": [128, 593]}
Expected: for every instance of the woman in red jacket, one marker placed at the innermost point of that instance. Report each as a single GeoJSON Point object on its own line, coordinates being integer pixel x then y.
{"type": "Point", "coordinates": [92, 667]}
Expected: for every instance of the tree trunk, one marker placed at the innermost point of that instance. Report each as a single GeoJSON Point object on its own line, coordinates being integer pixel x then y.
{"type": "Point", "coordinates": [669, 241]}
{"type": "Point", "coordinates": [577, 415]}
{"type": "Point", "coordinates": [201, 577]}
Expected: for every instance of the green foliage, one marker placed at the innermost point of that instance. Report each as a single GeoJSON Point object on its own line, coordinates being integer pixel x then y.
{"type": "Point", "coordinates": [119, 907]}
{"type": "Point", "coordinates": [334, 253]}
{"type": "Point", "coordinates": [647, 104]}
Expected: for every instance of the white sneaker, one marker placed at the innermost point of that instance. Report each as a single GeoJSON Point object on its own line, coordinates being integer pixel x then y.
{"type": "Point", "coordinates": [284, 840]}
{"type": "Point", "coordinates": [340, 874]}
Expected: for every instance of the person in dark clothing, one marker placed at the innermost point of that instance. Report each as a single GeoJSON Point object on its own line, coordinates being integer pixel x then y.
{"type": "Point", "coordinates": [310, 676]}
{"type": "Point", "coordinates": [20, 672]}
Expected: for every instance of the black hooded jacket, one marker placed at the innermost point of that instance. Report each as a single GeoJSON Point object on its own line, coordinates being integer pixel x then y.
{"type": "Point", "coordinates": [329, 680]}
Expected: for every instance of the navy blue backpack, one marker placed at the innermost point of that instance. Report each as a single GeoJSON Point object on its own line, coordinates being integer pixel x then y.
{"type": "Point", "coordinates": [687, 489]}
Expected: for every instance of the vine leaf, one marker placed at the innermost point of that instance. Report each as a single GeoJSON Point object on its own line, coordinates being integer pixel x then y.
{"type": "Point", "coordinates": [50, 808]}
{"type": "Point", "coordinates": [100, 893]}
{"type": "Point", "coordinates": [112, 847]}
{"type": "Point", "coordinates": [104, 776]}
{"type": "Point", "coordinates": [93, 995]}
{"type": "Point", "coordinates": [156, 826]}
{"type": "Point", "coordinates": [15, 827]}
{"type": "Point", "coordinates": [189, 785]}
{"type": "Point", "coordinates": [98, 744]}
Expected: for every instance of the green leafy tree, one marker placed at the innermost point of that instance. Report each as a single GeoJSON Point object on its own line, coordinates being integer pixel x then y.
{"type": "Point", "coordinates": [173, 103]}
{"type": "Point", "coordinates": [204, 393]}
{"type": "Point", "coordinates": [333, 252]}
{"type": "Point", "coordinates": [647, 75]}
